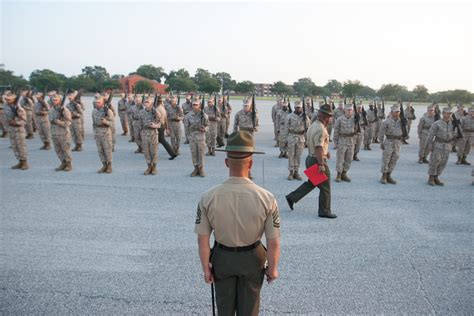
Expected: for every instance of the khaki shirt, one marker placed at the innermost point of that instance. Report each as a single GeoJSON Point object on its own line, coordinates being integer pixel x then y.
{"type": "Point", "coordinates": [317, 136]}
{"type": "Point", "coordinates": [239, 212]}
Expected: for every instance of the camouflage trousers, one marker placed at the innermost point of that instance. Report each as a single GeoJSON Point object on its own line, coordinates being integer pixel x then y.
{"type": "Point", "coordinates": [211, 134]}
{"type": "Point", "coordinates": [149, 139]}
{"type": "Point", "coordinates": [330, 125]}
{"type": "Point", "coordinates": [282, 142]}
{"type": "Point", "coordinates": [29, 122]}
{"type": "Point", "coordinates": [44, 128]}
{"type": "Point", "coordinates": [186, 134]}
{"type": "Point", "coordinates": [197, 151]}
{"type": "Point", "coordinates": [377, 125]}
{"type": "Point", "coordinates": [390, 154]}
{"type": "Point", "coordinates": [136, 133]}
{"type": "Point", "coordinates": [227, 123]}
{"type": "Point", "coordinates": [295, 149]}
{"type": "Point", "coordinates": [124, 121]}
{"type": "Point", "coordinates": [76, 131]}
{"type": "Point", "coordinates": [82, 128]}
{"type": "Point", "coordinates": [17, 142]}
{"type": "Point", "coordinates": [358, 139]}
{"type": "Point", "coordinates": [275, 131]}
{"type": "Point", "coordinates": [221, 129]}
{"type": "Point", "coordinates": [424, 150]}
{"type": "Point", "coordinates": [130, 126]}
{"type": "Point", "coordinates": [103, 140]}
{"type": "Point", "coordinates": [344, 155]}
{"type": "Point", "coordinates": [112, 129]}
{"type": "Point", "coordinates": [175, 135]}
{"type": "Point", "coordinates": [463, 145]}
{"type": "Point", "coordinates": [409, 122]}
{"type": "Point", "coordinates": [62, 146]}
{"type": "Point", "coordinates": [3, 125]}
{"type": "Point", "coordinates": [368, 134]}
{"type": "Point", "coordinates": [438, 160]}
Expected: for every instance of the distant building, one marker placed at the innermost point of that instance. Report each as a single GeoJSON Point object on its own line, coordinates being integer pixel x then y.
{"type": "Point", "coordinates": [128, 84]}
{"type": "Point", "coordinates": [263, 89]}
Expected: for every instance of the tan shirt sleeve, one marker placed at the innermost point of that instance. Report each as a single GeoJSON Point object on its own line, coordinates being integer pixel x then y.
{"type": "Point", "coordinates": [272, 223]}
{"type": "Point", "coordinates": [202, 224]}
{"type": "Point", "coordinates": [319, 138]}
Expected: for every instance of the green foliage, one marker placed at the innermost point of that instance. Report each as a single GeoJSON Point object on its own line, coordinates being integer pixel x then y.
{"type": "Point", "coordinates": [450, 96]}
{"type": "Point", "coordinates": [320, 91]}
{"type": "Point", "coordinates": [8, 78]}
{"type": "Point", "coordinates": [244, 87]}
{"type": "Point", "coordinates": [111, 84]}
{"type": "Point", "coordinates": [179, 80]}
{"type": "Point", "coordinates": [367, 92]}
{"type": "Point", "coordinates": [281, 88]}
{"type": "Point", "coordinates": [351, 88]}
{"type": "Point", "coordinates": [390, 90]}
{"type": "Point", "coordinates": [98, 74]}
{"type": "Point", "coordinates": [144, 86]}
{"type": "Point", "coordinates": [304, 86]}
{"type": "Point", "coordinates": [421, 93]}
{"type": "Point", "coordinates": [333, 86]}
{"type": "Point", "coordinates": [209, 85]}
{"type": "Point", "coordinates": [80, 82]}
{"type": "Point", "coordinates": [47, 80]}
{"type": "Point", "coordinates": [151, 72]}
{"type": "Point", "coordinates": [227, 83]}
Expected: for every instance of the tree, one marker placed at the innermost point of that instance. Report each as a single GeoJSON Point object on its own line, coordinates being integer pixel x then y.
{"type": "Point", "coordinates": [47, 80]}
{"type": "Point", "coordinates": [117, 77]}
{"type": "Point", "coordinates": [333, 86]}
{"type": "Point", "coordinates": [227, 83]}
{"type": "Point", "coordinates": [321, 91]}
{"type": "Point", "coordinates": [111, 84]}
{"type": "Point", "coordinates": [179, 80]}
{"type": "Point", "coordinates": [421, 93]}
{"type": "Point", "coordinates": [351, 88]}
{"type": "Point", "coordinates": [245, 87]}
{"type": "Point", "coordinates": [367, 92]}
{"type": "Point", "coordinates": [391, 90]}
{"type": "Point", "coordinates": [304, 86]}
{"type": "Point", "coordinates": [280, 88]}
{"type": "Point", "coordinates": [80, 82]}
{"type": "Point", "coordinates": [8, 78]}
{"type": "Point", "coordinates": [209, 85]}
{"type": "Point", "coordinates": [151, 72]}
{"type": "Point", "coordinates": [450, 96]}
{"type": "Point", "coordinates": [143, 86]}
{"type": "Point", "coordinates": [98, 74]}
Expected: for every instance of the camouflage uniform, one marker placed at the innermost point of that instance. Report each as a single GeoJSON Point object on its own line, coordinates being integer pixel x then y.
{"type": "Point", "coordinates": [295, 129]}
{"type": "Point", "coordinates": [358, 138]}
{"type": "Point", "coordinates": [112, 126]}
{"type": "Point", "coordinates": [392, 130]}
{"type": "Point", "coordinates": [214, 116]}
{"type": "Point", "coordinates": [369, 129]}
{"type": "Point", "coordinates": [424, 126]}
{"type": "Point", "coordinates": [193, 122]}
{"type": "Point", "coordinates": [227, 121]}
{"type": "Point", "coordinates": [3, 124]}
{"type": "Point", "coordinates": [243, 122]}
{"type": "Point", "coordinates": [83, 130]}
{"type": "Point", "coordinates": [149, 135]}
{"type": "Point", "coordinates": [378, 122]}
{"type": "Point", "coordinates": [60, 119]}
{"type": "Point", "coordinates": [222, 125]}
{"type": "Point", "coordinates": [467, 126]}
{"type": "Point", "coordinates": [130, 105]}
{"type": "Point", "coordinates": [281, 120]}
{"type": "Point", "coordinates": [103, 136]}
{"type": "Point", "coordinates": [175, 117]}
{"type": "Point", "coordinates": [410, 116]}
{"type": "Point", "coordinates": [136, 126]}
{"type": "Point", "coordinates": [275, 109]}
{"type": "Point", "coordinates": [187, 107]}
{"type": "Point", "coordinates": [459, 142]}
{"type": "Point", "coordinates": [42, 121]}
{"type": "Point", "coordinates": [76, 125]}
{"type": "Point", "coordinates": [440, 138]}
{"type": "Point", "coordinates": [344, 131]}
{"type": "Point", "coordinates": [27, 105]}
{"type": "Point", "coordinates": [15, 117]}
{"type": "Point", "coordinates": [122, 109]}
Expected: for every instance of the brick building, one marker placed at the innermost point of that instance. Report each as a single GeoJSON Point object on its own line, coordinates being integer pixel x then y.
{"type": "Point", "coordinates": [128, 84]}
{"type": "Point", "coordinates": [263, 89]}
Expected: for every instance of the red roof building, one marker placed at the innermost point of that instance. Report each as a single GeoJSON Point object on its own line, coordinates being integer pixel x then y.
{"type": "Point", "coordinates": [128, 84]}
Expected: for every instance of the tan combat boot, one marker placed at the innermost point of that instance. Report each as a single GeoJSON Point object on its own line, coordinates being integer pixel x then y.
{"type": "Point", "coordinates": [102, 170]}
{"type": "Point", "coordinates": [213, 152]}
{"type": "Point", "coordinates": [458, 162]}
{"type": "Point", "coordinates": [297, 176]}
{"type": "Point", "coordinates": [109, 167]}
{"type": "Point", "coordinates": [201, 172]}
{"type": "Point", "coordinates": [437, 181]}
{"type": "Point", "coordinates": [208, 151]}
{"type": "Point", "coordinates": [148, 170]}
{"type": "Point", "coordinates": [43, 147]}
{"type": "Point", "coordinates": [74, 149]}
{"type": "Point", "coordinates": [79, 147]}
{"type": "Point", "coordinates": [61, 166]}
{"type": "Point", "coordinates": [24, 165]}
{"type": "Point", "coordinates": [47, 146]}
{"type": "Point", "coordinates": [390, 179]}
{"type": "Point", "coordinates": [420, 160]}
{"type": "Point", "coordinates": [344, 177]}
{"type": "Point", "coordinates": [195, 172]}
{"type": "Point", "coordinates": [338, 177]}
{"type": "Point", "coordinates": [431, 181]}
{"type": "Point", "coordinates": [290, 176]}
{"type": "Point", "coordinates": [153, 169]}
{"type": "Point", "coordinates": [68, 166]}
{"type": "Point", "coordinates": [383, 180]}
{"type": "Point", "coordinates": [425, 160]}
{"type": "Point", "coordinates": [139, 150]}
{"type": "Point", "coordinates": [464, 161]}
{"type": "Point", "coordinates": [18, 165]}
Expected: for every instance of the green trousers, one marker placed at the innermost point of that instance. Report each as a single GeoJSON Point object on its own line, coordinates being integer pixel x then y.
{"type": "Point", "coordinates": [238, 279]}
{"type": "Point", "coordinates": [306, 187]}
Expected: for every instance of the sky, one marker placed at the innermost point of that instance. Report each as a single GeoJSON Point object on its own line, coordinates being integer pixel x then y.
{"type": "Point", "coordinates": [376, 42]}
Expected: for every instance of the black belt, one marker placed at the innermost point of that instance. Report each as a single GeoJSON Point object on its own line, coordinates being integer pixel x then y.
{"type": "Point", "coordinates": [238, 249]}
{"type": "Point", "coordinates": [393, 137]}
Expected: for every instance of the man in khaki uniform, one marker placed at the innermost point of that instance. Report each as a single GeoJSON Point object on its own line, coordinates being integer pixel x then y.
{"type": "Point", "coordinates": [214, 116]}
{"type": "Point", "coordinates": [130, 103]}
{"type": "Point", "coordinates": [424, 126]}
{"type": "Point", "coordinates": [41, 110]}
{"type": "Point", "coordinates": [28, 105]}
{"type": "Point", "coordinates": [441, 138]}
{"type": "Point", "coordinates": [175, 117]}
{"type": "Point", "coordinates": [76, 126]}
{"type": "Point", "coordinates": [102, 120]}
{"type": "Point", "coordinates": [296, 125]}
{"type": "Point", "coordinates": [410, 116]}
{"type": "Point", "coordinates": [229, 108]}
{"type": "Point", "coordinates": [467, 126]}
{"type": "Point", "coordinates": [391, 129]}
{"type": "Point", "coordinates": [122, 110]}
{"type": "Point", "coordinates": [378, 122]}
{"type": "Point", "coordinates": [460, 142]}
{"type": "Point", "coordinates": [149, 124]}
{"type": "Point", "coordinates": [318, 147]}
{"type": "Point", "coordinates": [238, 212]}
{"type": "Point", "coordinates": [275, 109]}
{"type": "Point", "coordinates": [243, 119]}
{"type": "Point", "coordinates": [344, 131]}
{"type": "Point", "coordinates": [15, 117]}
{"type": "Point", "coordinates": [223, 122]}
{"type": "Point", "coordinates": [162, 112]}
{"type": "Point", "coordinates": [197, 123]}
{"type": "Point", "coordinates": [136, 108]}
{"type": "Point", "coordinates": [3, 124]}
{"type": "Point", "coordinates": [282, 130]}
{"type": "Point", "coordinates": [359, 136]}
{"type": "Point", "coordinates": [187, 107]}
{"type": "Point", "coordinates": [60, 119]}
{"type": "Point", "coordinates": [369, 129]}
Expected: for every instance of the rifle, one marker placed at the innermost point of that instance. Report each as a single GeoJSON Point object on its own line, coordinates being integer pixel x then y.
{"type": "Point", "coordinates": [356, 116]}
{"type": "Point", "coordinates": [403, 120]}
{"type": "Point", "coordinates": [383, 106]}
{"type": "Point", "coordinates": [457, 125]}
{"type": "Point", "coordinates": [215, 105]}
{"type": "Point", "coordinates": [304, 115]}
{"type": "Point", "coordinates": [364, 117]}
{"type": "Point", "coordinates": [107, 104]}
{"type": "Point", "coordinates": [376, 111]}
{"type": "Point", "coordinates": [437, 112]}
{"type": "Point", "coordinates": [202, 111]}
{"type": "Point", "coordinates": [254, 112]}
{"type": "Point", "coordinates": [63, 102]}
{"type": "Point", "coordinates": [412, 110]}
{"type": "Point", "coordinates": [345, 102]}
{"type": "Point", "coordinates": [312, 105]}
{"type": "Point", "coordinates": [333, 106]}
{"type": "Point", "coordinates": [289, 106]}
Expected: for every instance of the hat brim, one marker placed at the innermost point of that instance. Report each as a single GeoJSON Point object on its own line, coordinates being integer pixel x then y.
{"type": "Point", "coordinates": [240, 151]}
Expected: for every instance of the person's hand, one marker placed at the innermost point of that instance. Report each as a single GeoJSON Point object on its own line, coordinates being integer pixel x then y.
{"type": "Point", "coordinates": [382, 146]}
{"type": "Point", "coordinates": [329, 155]}
{"type": "Point", "coordinates": [272, 275]}
{"type": "Point", "coordinates": [208, 277]}
{"type": "Point", "coordinates": [322, 169]}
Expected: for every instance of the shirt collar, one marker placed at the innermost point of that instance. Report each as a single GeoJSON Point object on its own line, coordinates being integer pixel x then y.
{"type": "Point", "coordinates": [239, 180]}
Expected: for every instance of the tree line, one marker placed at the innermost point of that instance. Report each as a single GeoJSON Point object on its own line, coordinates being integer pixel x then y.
{"type": "Point", "coordinates": [97, 79]}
